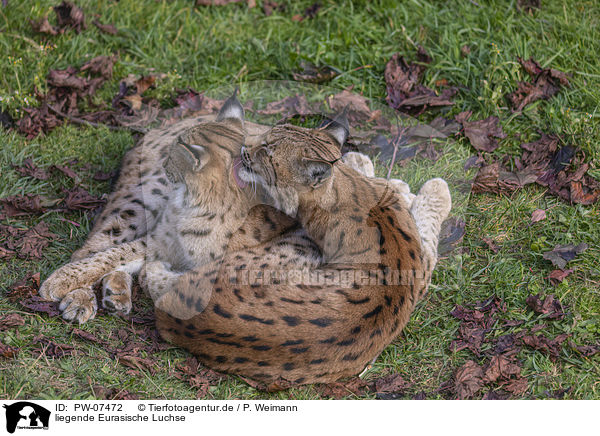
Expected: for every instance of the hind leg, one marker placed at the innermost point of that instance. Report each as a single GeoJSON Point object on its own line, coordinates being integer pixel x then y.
{"type": "Point", "coordinates": [361, 163]}
{"type": "Point", "coordinates": [430, 208]}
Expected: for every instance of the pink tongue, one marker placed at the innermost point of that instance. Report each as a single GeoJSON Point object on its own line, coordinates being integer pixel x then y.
{"type": "Point", "coordinates": [237, 164]}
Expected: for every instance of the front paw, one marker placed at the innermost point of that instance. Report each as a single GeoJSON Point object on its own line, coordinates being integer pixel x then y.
{"type": "Point", "coordinates": [79, 305]}
{"type": "Point", "coordinates": [116, 292]}
{"type": "Point", "coordinates": [56, 287]}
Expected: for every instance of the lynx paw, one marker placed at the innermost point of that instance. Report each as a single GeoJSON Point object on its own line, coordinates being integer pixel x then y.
{"type": "Point", "coordinates": [156, 278]}
{"type": "Point", "coordinates": [360, 163]}
{"type": "Point", "coordinates": [116, 292]}
{"type": "Point", "coordinates": [403, 189]}
{"type": "Point", "coordinates": [437, 193]}
{"type": "Point", "coordinates": [79, 305]}
{"type": "Point", "coordinates": [57, 286]}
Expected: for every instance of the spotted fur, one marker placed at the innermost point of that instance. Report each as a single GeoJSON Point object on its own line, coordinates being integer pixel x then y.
{"type": "Point", "coordinates": [275, 330]}
{"type": "Point", "coordinates": [176, 201]}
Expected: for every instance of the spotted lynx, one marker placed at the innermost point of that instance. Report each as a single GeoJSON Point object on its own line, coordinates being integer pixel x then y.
{"type": "Point", "coordinates": [183, 218]}
{"type": "Point", "coordinates": [144, 219]}
{"type": "Point", "coordinates": [244, 315]}
{"type": "Point", "coordinates": [176, 200]}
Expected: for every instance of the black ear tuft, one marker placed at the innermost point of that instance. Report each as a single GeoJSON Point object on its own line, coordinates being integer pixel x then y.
{"type": "Point", "coordinates": [232, 109]}
{"type": "Point", "coordinates": [338, 126]}
{"type": "Point", "coordinates": [317, 172]}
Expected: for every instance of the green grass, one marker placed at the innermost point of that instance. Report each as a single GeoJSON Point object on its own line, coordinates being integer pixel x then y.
{"type": "Point", "coordinates": [211, 47]}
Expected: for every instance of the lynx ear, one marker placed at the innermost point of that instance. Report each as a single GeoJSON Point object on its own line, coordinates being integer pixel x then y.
{"type": "Point", "coordinates": [232, 109]}
{"type": "Point", "coordinates": [317, 172]}
{"type": "Point", "coordinates": [338, 127]}
{"type": "Point", "coordinates": [184, 158]}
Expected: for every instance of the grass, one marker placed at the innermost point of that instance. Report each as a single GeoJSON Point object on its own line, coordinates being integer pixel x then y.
{"type": "Point", "coordinates": [210, 47]}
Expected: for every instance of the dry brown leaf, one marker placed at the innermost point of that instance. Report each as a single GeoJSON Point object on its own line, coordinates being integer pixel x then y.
{"type": "Point", "coordinates": [106, 28]}
{"type": "Point", "coordinates": [558, 275]}
{"type": "Point", "coordinates": [8, 352]}
{"type": "Point", "coordinates": [538, 215]}
{"type": "Point", "coordinates": [468, 380]}
{"type": "Point", "coordinates": [549, 306]}
{"type": "Point", "coordinates": [10, 321]}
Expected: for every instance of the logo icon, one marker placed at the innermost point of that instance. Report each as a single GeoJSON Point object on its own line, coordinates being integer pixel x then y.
{"type": "Point", "coordinates": [26, 415]}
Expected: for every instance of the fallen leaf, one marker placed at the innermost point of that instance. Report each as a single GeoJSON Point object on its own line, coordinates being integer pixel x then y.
{"type": "Point", "coordinates": [103, 393]}
{"type": "Point", "coordinates": [549, 306]}
{"type": "Point", "coordinates": [6, 121]}
{"type": "Point", "coordinates": [392, 383]}
{"type": "Point", "coordinates": [70, 16]}
{"type": "Point", "coordinates": [491, 244]}
{"type": "Point", "coordinates": [135, 101]}
{"type": "Point", "coordinates": [103, 176]}
{"type": "Point", "coordinates": [101, 65]}
{"type": "Point", "coordinates": [546, 83]}
{"type": "Point", "coordinates": [144, 82]}
{"type": "Point", "coordinates": [494, 178]}
{"type": "Point", "coordinates": [25, 292]}
{"type": "Point", "coordinates": [558, 275]}
{"type": "Point", "coordinates": [43, 26]}
{"type": "Point", "coordinates": [106, 28]}
{"type": "Point", "coordinates": [468, 380]}
{"type": "Point", "coordinates": [585, 350]}
{"type": "Point", "coordinates": [562, 254]}
{"type": "Point", "coordinates": [23, 287]}
{"type": "Point", "coordinates": [29, 169]}
{"type": "Point", "coordinates": [538, 215]}
{"type": "Point", "coordinates": [483, 134]}
{"type": "Point", "coordinates": [506, 344]}
{"type": "Point", "coordinates": [11, 321]}
{"type": "Point", "coordinates": [471, 336]}
{"type": "Point", "coordinates": [6, 254]}
{"type": "Point", "coordinates": [35, 240]}
{"type": "Point", "coordinates": [66, 78]}
{"type": "Point", "coordinates": [198, 377]}
{"type": "Point", "coordinates": [357, 105]}
{"type": "Point", "coordinates": [66, 171]}
{"type": "Point", "coordinates": [451, 235]}
{"type": "Point", "coordinates": [339, 390]}
{"type": "Point", "coordinates": [314, 74]}
{"type": "Point", "coordinates": [8, 352]}
{"type": "Point", "coordinates": [540, 342]}
{"type": "Point", "coordinates": [53, 349]}
{"type": "Point", "coordinates": [137, 362]}
{"type": "Point", "coordinates": [404, 91]}
{"type": "Point", "coordinates": [517, 386]}
{"type": "Point", "coordinates": [23, 205]}
{"type": "Point", "coordinates": [288, 107]}
{"type": "Point", "coordinates": [312, 10]}
{"type": "Point", "coordinates": [496, 395]}
{"type": "Point", "coordinates": [37, 120]}
{"type": "Point", "coordinates": [501, 367]}
{"type": "Point", "coordinates": [82, 334]}
{"type": "Point", "coordinates": [579, 195]}
{"type": "Point", "coordinates": [80, 199]}
{"type": "Point", "coordinates": [270, 6]}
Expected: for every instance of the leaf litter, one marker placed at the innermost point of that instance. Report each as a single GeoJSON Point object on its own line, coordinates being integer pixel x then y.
{"type": "Point", "coordinates": [546, 82]}
{"type": "Point", "coordinates": [561, 170]}
{"type": "Point", "coordinates": [25, 292]}
{"type": "Point", "coordinates": [405, 93]}
{"type": "Point", "coordinates": [500, 371]}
